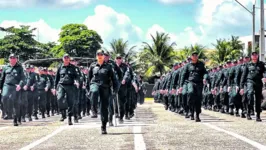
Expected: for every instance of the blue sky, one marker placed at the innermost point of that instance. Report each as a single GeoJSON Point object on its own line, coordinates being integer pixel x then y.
{"type": "Point", "coordinates": [187, 21]}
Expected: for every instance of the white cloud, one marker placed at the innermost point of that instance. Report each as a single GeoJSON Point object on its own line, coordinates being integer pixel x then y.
{"type": "Point", "coordinates": [175, 1]}
{"type": "Point", "coordinates": [112, 25]}
{"type": "Point", "coordinates": [50, 3]}
{"type": "Point", "coordinates": [223, 18]}
{"type": "Point", "coordinates": [44, 32]}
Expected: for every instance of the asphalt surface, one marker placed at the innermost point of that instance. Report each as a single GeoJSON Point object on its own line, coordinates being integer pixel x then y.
{"type": "Point", "coordinates": [152, 128]}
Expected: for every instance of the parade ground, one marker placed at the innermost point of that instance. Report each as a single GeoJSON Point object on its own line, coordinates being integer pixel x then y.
{"type": "Point", "coordinates": [152, 128]}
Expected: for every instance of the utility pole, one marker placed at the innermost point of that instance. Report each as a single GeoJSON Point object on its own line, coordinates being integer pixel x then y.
{"type": "Point", "coordinates": [253, 27]}
{"type": "Point", "coordinates": [253, 21]}
{"type": "Point", "coordinates": [262, 32]}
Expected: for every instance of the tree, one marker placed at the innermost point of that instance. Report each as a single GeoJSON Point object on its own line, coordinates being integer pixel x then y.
{"type": "Point", "coordinates": [79, 41]}
{"type": "Point", "coordinates": [19, 41]}
{"type": "Point", "coordinates": [223, 52]}
{"type": "Point", "coordinates": [119, 46]}
{"type": "Point", "coordinates": [159, 56]}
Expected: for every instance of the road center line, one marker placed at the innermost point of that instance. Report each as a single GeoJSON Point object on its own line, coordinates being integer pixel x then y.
{"type": "Point", "coordinates": [138, 138]}
{"type": "Point", "coordinates": [251, 142]}
{"type": "Point", "coordinates": [34, 144]}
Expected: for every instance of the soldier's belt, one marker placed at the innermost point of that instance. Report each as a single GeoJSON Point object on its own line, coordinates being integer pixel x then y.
{"type": "Point", "coordinates": [9, 84]}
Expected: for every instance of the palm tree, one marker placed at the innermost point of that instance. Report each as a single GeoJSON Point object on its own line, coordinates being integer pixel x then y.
{"type": "Point", "coordinates": [223, 52]}
{"type": "Point", "coordinates": [118, 46]}
{"type": "Point", "coordinates": [182, 54]}
{"type": "Point", "coordinates": [200, 50]}
{"type": "Point", "coordinates": [158, 56]}
{"type": "Point", "coordinates": [236, 43]}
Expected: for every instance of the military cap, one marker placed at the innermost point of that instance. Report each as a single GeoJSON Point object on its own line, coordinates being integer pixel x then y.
{"type": "Point", "coordinates": [194, 52]}
{"type": "Point", "coordinates": [188, 58]}
{"type": "Point", "coordinates": [254, 53]}
{"type": "Point", "coordinates": [240, 58]}
{"type": "Point", "coordinates": [118, 55]}
{"type": "Point", "coordinates": [71, 59]}
{"type": "Point", "coordinates": [235, 61]}
{"type": "Point", "coordinates": [100, 51]}
{"type": "Point", "coordinates": [66, 55]}
{"type": "Point", "coordinates": [106, 53]}
{"type": "Point", "coordinates": [247, 56]}
{"type": "Point", "coordinates": [229, 62]}
{"type": "Point", "coordinates": [31, 66]}
{"type": "Point", "coordinates": [13, 55]}
{"type": "Point", "coordinates": [81, 67]}
{"type": "Point", "coordinates": [45, 68]}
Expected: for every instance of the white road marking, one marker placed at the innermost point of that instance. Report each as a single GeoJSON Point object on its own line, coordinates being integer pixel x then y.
{"type": "Point", "coordinates": [251, 142]}
{"type": "Point", "coordinates": [138, 139]}
{"type": "Point", "coordinates": [34, 144]}
{"type": "Point", "coordinates": [3, 128]}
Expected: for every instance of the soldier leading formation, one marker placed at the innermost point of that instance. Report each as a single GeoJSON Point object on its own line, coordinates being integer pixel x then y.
{"type": "Point", "coordinates": [108, 87]}
{"type": "Point", "coordinates": [234, 88]}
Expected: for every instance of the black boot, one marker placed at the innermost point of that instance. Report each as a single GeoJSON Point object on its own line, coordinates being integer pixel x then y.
{"type": "Point", "coordinates": [19, 120]}
{"type": "Point", "coordinates": [76, 120]}
{"type": "Point", "coordinates": [237, 114]}
{"type": "Point", "coordinates": [15, 121]}
{"type": "Point", "coordinates": [258, 119]}
{"type": "Point", "coordinates": [23, 119]}
{"type": "Point", "coordinates": [243, 115]}
{"type": "Point", "coordinates": [231, 111]}
{"type": "Point", "coordinates": [248, 116]}
{"type": "Point", "coordinates": [30, 119]}
{"type": "Point", "coordinates": [36, 117]}
{"type": "Point", "coordinates": [63, 115]}
{"type": "Point", "coordinates": [186, 116]}
{"type": "Point", "coordinates": [70, 121]}
{"type": "Point", "coordinates": [43, 116]}
{"type": "Point", "coordinates": [104, 128]}
{"type": "Point", "coordinates": [197, 118]}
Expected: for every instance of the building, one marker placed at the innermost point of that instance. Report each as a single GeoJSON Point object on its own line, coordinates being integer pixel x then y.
{"type": "Point", "coordinates": [247, 40]}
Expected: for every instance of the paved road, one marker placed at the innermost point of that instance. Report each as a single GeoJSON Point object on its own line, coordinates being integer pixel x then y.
{"type": "Point", "coordinates": [152, 128]}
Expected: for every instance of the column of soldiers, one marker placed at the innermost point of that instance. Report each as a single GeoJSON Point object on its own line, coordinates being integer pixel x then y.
{"type": "Point", "coordinates": [110, 87]}
{"type": "Point", "coordinates": [234, 87]}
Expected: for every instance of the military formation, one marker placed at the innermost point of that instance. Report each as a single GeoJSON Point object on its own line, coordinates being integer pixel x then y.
{"type": "Point", "coordinates": [234, 88]}
{"type": "Point", "coordinates": [107, 87]}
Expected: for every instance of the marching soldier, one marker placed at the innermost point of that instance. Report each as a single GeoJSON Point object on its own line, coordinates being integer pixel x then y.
{"type": "Point", "coordinates": [11, 83]}
{"type": "Point", "coordinates": [122, 93]}
{"type": "Point", "coordinates": [100, 77]}
{"type": "Point", "coordinates": [196, 74]}
{"type": "Point", "coordinates": [42, 85]}
{"type": "Point", "coordinates": [112, 100]}
{"type": "Point", "coordinates": [77, 92]}
{"type": "Point", "coordinates": [24, 95]}
{"type": "Point", "coordinates": [32, 96]}
{"type": "Point", "coordinates": [50, 93]}
{"type": "Point", "coordinates": [252, 75]}
{"type": "Point", "coordinates": [65, 80]}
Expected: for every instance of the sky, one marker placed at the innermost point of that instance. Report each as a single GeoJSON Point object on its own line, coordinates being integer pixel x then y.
{"type": "Point", "coordinates": [186, 21]}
